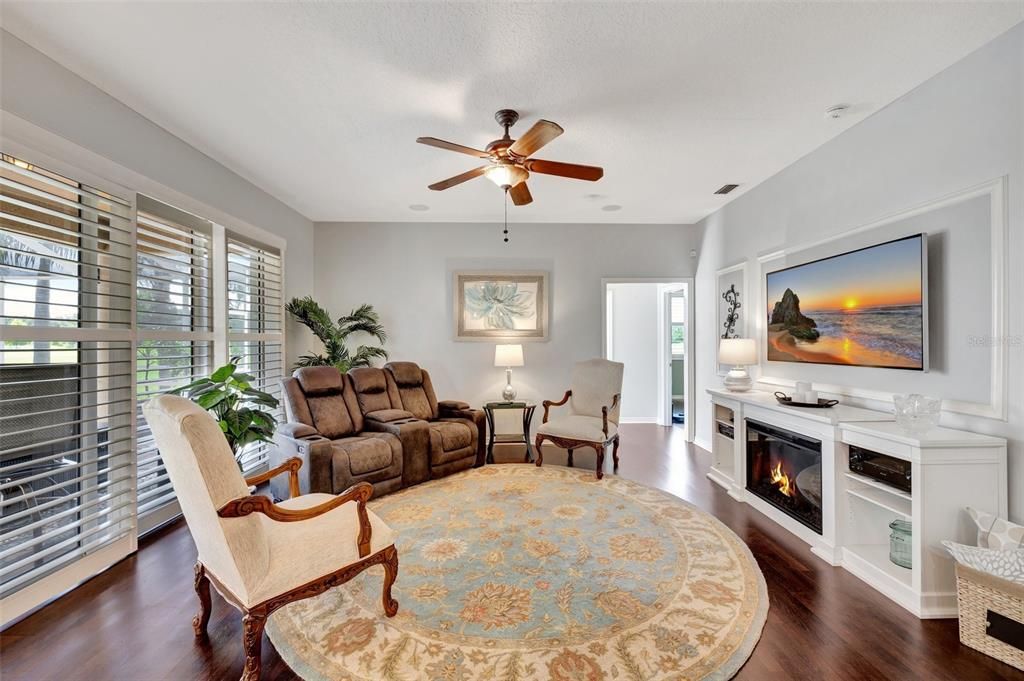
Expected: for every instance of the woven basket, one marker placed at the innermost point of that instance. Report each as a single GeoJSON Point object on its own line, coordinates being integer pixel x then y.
{"type": "Point", "coordinates": [977, 593]}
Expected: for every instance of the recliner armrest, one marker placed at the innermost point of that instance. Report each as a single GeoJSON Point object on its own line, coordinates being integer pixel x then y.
{"type": "Point", "coordinates": [313, 449]}
{"type": "Point", "coordinates": [296, 430]}
{"type": "Point", "coordinates": [452, 405]}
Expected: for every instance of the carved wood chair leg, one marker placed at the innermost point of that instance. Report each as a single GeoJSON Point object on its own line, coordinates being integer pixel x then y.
{"type": "Point", "coordinates": [202, 586]}
{"type": "Point", "coordinates": [390, 574]}
{"type": "Point", "coordinates": [615, 452]}
{"type": "Point", "coordinates": [252, 642]}
{"type": "Point", "coordinates": [570, 457]}
{"type": "Point", "coordinates": [600, 460]}
{"type": "Point", "coordinates": [540, 449]}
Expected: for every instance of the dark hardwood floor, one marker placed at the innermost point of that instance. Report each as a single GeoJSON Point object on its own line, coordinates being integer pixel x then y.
{"type": "Point", "coordinates": [133, 622]}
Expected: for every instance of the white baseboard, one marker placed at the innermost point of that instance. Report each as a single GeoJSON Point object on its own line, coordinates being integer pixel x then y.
{"type": "Point", "coordinates": [638, 419]}
{"type": "Point", "coordinates": [703, 444]}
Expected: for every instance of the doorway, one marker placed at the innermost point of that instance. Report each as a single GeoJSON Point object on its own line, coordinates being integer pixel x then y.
{"type": "Point", "coordinates": [645, 325]}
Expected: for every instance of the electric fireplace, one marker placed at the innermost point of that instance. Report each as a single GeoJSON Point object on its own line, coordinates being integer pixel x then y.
{"type": "Point", "coordinates": [784, 469]}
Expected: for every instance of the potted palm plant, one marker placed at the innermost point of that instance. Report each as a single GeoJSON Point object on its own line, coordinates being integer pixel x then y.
{"type": "Point", "coordinates": [238, 407]}
{"type": "Point", "coordinates": [334, 335]}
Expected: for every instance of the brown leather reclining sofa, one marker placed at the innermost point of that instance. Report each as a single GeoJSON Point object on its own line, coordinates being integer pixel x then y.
{"type": "Point", "coordinates": [382, 426]}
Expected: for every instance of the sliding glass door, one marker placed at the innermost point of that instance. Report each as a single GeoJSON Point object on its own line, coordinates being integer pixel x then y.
{"type": "Point", "coordinates": [67, 493]}
{"type": "Point", "coordinates": [107, 298]}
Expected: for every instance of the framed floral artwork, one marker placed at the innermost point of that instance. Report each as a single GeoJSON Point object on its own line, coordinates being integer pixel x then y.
{"type": "Point", "coordinates": [494, 306]}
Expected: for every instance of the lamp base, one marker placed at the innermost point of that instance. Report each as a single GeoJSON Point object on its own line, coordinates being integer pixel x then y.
{"type": "Point", "coordinates": [509, 393]}
{"type": "Point", "coordinates": [738, 380]}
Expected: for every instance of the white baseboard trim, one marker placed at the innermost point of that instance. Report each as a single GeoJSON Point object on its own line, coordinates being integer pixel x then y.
{"type": "Point", "coordinates": [637, 419]}
{"type": "Point", "coordinates": [703, 444]}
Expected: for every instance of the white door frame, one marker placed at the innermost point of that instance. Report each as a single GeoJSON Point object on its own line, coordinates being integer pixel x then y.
{"type": "Point", "coordinates": [664, 357]}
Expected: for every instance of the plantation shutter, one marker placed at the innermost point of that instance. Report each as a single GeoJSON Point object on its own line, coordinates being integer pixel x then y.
{"type": "Point", "coordinates": [256, 323]}
{"type": "Point", "coordinates": [66, 380]}
{"type": "Point", "coordinates": [175, 329]}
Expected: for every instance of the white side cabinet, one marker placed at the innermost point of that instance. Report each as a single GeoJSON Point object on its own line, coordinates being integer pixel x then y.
{"type": "Point", "coordinates": [950, 469]}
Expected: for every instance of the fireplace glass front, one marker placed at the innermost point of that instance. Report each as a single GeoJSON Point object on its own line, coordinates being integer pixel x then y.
{"type": "Point", "coordinates": [784, 469]}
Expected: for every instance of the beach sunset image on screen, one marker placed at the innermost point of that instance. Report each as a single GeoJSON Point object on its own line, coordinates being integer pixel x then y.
{"type": "Point", "coordinates": [862, 308]}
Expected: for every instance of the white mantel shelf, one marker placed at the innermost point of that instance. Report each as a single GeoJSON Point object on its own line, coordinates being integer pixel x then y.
{"type": "Point", "coordinates": [950, 469]}
{"type": "Point", "coordinates": [840, 413]}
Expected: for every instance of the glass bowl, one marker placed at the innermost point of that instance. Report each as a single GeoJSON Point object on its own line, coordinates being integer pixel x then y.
{"type": "Point", "coordinates": [917, 414]}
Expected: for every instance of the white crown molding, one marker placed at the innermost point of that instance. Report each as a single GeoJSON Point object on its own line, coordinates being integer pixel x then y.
{"type": "Point", "coordinates": [996, 407]}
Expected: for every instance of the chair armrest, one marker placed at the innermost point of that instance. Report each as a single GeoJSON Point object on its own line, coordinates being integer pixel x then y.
{"type": "Point", "coordinates": [548, 404]}
{"type": "Point", "coordinates": [291, 466]}
{"type": "Point", "coordinates": [360, 493]}
{"type": "Point", "coordinates": [452, 405]}
{"type": "Point", "coordinates": [604, 413]}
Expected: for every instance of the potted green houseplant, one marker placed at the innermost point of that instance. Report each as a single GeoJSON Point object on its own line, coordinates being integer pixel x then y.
{"type": "Point", "coordinates": [238, 407]}
{"type": "Point", "coordinates": [334, 334]}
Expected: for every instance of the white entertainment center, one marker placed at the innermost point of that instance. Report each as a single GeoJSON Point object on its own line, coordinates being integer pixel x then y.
{"type": "Point", "coordinates": [950, 470]}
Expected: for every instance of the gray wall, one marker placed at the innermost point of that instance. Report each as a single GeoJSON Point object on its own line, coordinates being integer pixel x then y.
{"type": "Point", "coordinates": [962, 128]}
{"type": "Point", "coordinates": [41, 91]}
{"type": "Point", "coordinates": [404, 270]}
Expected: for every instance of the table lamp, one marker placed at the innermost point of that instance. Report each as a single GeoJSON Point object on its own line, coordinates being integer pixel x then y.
{"type": "Point", "coordinates": [739, 352]}
{"type": "Point", "coordinates": [508, 356]}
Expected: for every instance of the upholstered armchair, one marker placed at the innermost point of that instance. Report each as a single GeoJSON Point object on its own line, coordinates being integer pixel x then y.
{"type": "Point", "coordinates": [592, 417]}
{"type": "Point", "coordinates": [327, 431]}
{"type": "Point", "coordinates": [456, 431]}
{"type": "Point", "coordinates": [260, 555]}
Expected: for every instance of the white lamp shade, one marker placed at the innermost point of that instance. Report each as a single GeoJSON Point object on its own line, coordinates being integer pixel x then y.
{"type": "Point", "coordinates": [508, 355]}
{"type": "Point", "coordinates": [737, 351]}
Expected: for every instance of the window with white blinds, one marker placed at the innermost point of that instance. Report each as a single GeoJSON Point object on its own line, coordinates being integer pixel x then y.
{"type": "Point", "coordinates": [174, 320]}
{"type": "Point", "coordinates": [66, 381]}
{"type": "Point", "coordinates": [256, 322]}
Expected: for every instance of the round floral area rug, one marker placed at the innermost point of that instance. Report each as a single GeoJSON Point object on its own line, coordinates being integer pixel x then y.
{"type": "Point", "coordinates": [514, 572]}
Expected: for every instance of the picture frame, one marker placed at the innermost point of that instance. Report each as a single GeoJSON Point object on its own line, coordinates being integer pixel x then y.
{"type": "Point", "coordinates": [493, 306]}
{"type": "Point", "coordinates": [732, 305]}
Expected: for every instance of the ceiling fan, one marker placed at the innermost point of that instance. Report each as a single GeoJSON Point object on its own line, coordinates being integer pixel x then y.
{"type": "Point", "coordinates": [509, 163]}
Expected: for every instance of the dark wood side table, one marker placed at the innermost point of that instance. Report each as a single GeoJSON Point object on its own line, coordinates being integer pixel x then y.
{"type": "Point", "coordinates": [503, 438]}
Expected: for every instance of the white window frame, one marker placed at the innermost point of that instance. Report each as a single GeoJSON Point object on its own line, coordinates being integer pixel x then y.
{"type": "Point", "coordinates": [36, 145]}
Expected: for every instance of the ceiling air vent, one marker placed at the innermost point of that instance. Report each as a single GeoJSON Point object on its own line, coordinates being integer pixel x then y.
{"type": "Point", "coordinates": [726, 188]}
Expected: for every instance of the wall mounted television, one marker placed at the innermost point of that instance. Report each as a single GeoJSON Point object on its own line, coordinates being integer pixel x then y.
{"type": "Point", "coordinates": [867, 308]}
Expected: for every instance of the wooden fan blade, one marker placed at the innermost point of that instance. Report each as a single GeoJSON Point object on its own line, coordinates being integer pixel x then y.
{"type": "Point", "coordinates": [520, 194]}
{"type": "Point", "coordinates": [573, 170]}
{"type": "Point", "coordinates": [536, 137]}
{"type": "Point", "coordinates": [452, 146]}
{"type": "Point", "coordinates": [458, 179]}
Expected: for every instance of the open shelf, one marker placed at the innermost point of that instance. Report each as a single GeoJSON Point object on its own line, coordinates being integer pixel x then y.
{"type": "Point", "coordinates": [877, 556]}
{"type": "Point", "coordinates": [864, 480]}
{"type": "Point", "coordinates": [882, 499]}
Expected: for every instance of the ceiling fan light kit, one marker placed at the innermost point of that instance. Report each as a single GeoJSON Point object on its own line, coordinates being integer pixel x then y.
{"type": "Point", "coordinates": [509, 163]}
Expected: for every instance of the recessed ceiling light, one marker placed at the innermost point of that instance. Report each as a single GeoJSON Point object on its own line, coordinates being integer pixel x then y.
{"type": "Point", "coordinates": [837, 111]}
{"type": "Point", "coordinates": [420, 207]}
{"type": "Point", "coordinates": [611, 207]}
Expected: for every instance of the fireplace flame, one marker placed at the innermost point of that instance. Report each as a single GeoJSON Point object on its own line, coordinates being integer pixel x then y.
{"type": "Point", "coordinates": [782, 480]}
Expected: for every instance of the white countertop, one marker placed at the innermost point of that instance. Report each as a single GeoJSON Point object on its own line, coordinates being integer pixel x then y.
{"type": "Point", "coordinates": [936, 437]}
{"type": "Point", "coordinates": [841, 413]}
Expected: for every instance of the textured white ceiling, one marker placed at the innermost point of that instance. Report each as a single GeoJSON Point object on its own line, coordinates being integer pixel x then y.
{"type": "Point", "coordinates": [320, 103]}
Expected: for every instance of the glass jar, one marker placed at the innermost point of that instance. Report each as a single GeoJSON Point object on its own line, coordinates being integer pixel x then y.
{"type": "Point", "coordinates": [900, 543]}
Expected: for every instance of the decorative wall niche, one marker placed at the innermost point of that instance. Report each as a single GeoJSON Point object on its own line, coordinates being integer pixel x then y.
{"type": "Point", "coordinates": [967, 305]}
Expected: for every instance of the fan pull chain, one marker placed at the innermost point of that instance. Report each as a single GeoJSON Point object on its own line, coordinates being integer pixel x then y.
{"type": "Point", "coordinates": [506, 215]}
